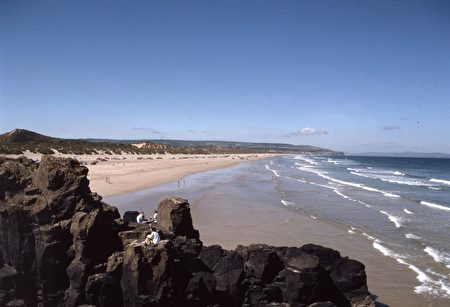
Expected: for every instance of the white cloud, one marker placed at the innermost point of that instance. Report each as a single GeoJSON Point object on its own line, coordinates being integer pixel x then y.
{"type": "Point", "coordinates": [390, 128]}
{"type": "Point", "coordinates": [147, 129]}
{"type": "Point", "coordinates": [308, 131]}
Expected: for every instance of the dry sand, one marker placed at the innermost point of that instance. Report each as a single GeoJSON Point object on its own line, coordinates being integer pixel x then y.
{"type": "Point", "coordinates": [114, 177]}
{"type": "Point", "coordinates": [118, 174]}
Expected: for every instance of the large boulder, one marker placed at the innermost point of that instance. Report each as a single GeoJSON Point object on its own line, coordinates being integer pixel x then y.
{"type": "Point", "coordinates": [229, 273]}
{"type": "Point", "coordinates": [308, 282]}
{"type": "Point", "coordinates": [174, 218]}
{"type": "Point", "coordinates": [130, 216]}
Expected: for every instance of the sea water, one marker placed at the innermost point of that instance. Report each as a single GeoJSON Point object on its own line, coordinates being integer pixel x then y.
{"type": "Point", "coordinates": [400, 205]}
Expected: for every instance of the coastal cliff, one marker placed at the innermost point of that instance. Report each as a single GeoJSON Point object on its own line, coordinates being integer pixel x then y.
{"type": "Point", "coordinates": [60, 245]}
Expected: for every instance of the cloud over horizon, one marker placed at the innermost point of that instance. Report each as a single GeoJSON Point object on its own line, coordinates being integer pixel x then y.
{"type": "Point", "coordinates": [148, 129]}
{"type": "Point", "coordinates": [307, 131]}
{"type": "Point", "coordinates": [390, 128]}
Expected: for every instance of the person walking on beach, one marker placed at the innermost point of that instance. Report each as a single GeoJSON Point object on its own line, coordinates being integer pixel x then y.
{"type": "Point", "coordinates": [152, 238]}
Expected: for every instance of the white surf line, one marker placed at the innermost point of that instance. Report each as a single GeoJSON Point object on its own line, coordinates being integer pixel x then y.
{"type": "Point", "coordinates": [407, 211]}
{"type": "Point", "coordinates": [433, 205]}
{"type": "Point", "coordinates": [287, 203]}
{"type": "Point", "coordinates": [428, 285]}
{"type": "Point", "coordinates": [438, 256]}
{"type": "Point", "coordinates": [412, 236]}
{"type": "Point", "coordinates": [357, 185]}
{"type": "Point", "coordinates": [272, 170]}
{"type": "Point", "coordinates": [446, 182]}
{"type": "Point", "coordinates": [394, 219]}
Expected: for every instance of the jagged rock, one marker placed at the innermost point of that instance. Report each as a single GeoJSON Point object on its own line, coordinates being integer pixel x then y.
{"type": "Point", "coordinates": [42, 234]}
{"type": "Point", "coordinates": [7, 276]}
{"type": "Point", "coordinates": [15, 175]}
{"type": "Point", "coordinates": [262, 262]}
{"type": "Point", "coordinates": [130, 216]}
{"type": "Point", "coordinates": [308, 282]}
{"type": "Point", "coordinates": [145, 274]}
{"type": "Point", "coordinates": [103, 290]}
{"type": "Point", "coordinates": [174, 218]}
{"type": "Point", "coordinates": [200, 289]}
{"type": "Point", "coordinates": [60, 245]}
{"type": "Point", "coordinates": [134, 234]}
{"type": "Point", "coordinates": [327, 256]}
{"type": "Point", "coordinates": [114, 264]}
{"type": "Point", "coordinates": [210, 256]}
{"type": "Point", "coordinates": [229, 273]}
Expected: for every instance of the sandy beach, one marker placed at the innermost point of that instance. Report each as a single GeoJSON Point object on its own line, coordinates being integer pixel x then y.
{"type": "Point", "coordinates": [117, 174]}
{"type": "Point", "coordinates": [114, 177]}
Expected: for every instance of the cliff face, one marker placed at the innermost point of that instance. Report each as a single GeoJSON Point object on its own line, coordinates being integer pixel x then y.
{"type": "Point", "coordinates": [60, 245]}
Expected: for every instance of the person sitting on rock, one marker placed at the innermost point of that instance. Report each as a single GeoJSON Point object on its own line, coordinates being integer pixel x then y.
{"type": "Point", "coordinates": [155, 215]}
{"type": "Point", "coordinates": [152, 238]}
{"type": "Point", "coordinates": [141, 217]}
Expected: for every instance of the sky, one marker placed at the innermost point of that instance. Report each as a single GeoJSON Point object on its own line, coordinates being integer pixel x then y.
{"type": "Point", "coordinates": [355, 76]}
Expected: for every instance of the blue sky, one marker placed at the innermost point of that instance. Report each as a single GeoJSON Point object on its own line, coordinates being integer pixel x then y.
{"type": "Point", "coordinates": [355, 76]}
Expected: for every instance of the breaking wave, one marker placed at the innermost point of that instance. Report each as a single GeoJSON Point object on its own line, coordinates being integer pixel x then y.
{"type": "Point", "coordinates": [272, 170]}
{"type": "Point", "coordinates": [412, 236]}
{"type": "Point", "coordinates": [438, 256]}
{"type": "Point", "coordinates": [407, 211]}
{"type": "Point", "coordinates": [433, 205]}
{"type": "Point", "coordinates": [394, 219]}
{"type": "Point", "coordinates": [446, 182]}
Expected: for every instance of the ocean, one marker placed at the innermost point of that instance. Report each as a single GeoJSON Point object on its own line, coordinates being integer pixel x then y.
{"type": "Point", "coordinates": [399, 206]}
{"type": "Point", "coordinates": [402, 205]}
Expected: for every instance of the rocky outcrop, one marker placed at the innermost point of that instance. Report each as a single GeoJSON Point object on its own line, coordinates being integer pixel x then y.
{"type": "Point", "coordinates": [60, 245]}
{"type": "Point", "coordinates": [174, 218]}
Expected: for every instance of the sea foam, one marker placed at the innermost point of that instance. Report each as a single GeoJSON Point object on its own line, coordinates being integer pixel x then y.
{"type": "Point", "coordinates": [308, 160]}
{"type": "Point", "coordinates": [438, 256]}
{"type": "Point", "coordinates": [394, 219]}
{"type": "Point", "coordinates": [357, 185]}
{"type": "Point", "coordinates": [412, 236]}
{"type": "Point", "coordinates": [272, 170]}
{"type": "Point", "coordinates": [386, 251]}
{"type": "Point", "coordinates": [433, 205]}
{"type": "Point", "coordinates": [368, 236]}
{"type": "Point", "coordinates": [446, 182]}
{"type": "Point", "coordinates": [428, 284]}
{"type": "Point", "coordinates": [287, 203]}
{"type": "Point", "coordinates": [391, 178]}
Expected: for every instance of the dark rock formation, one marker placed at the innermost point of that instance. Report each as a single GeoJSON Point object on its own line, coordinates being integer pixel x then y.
{"type": "Point", "coordinates": [61, 246]}
{"type": "Point", "coordinates": [175, 219]}
{"type": "Point", "coordinates": [130, 216]}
